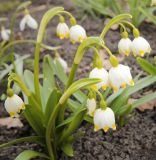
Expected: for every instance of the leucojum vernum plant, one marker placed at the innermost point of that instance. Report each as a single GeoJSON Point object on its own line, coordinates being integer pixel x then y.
{"type": "Point", "coordinates": [106, 96]}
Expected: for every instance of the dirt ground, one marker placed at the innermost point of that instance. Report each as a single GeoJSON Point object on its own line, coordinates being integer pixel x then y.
{"type": "Point", "coordinates": [135, 141]}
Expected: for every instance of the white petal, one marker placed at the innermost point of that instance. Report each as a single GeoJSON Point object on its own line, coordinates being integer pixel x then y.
{"type": "Point", "coordinates": [77, 33]}
{"type": "Point", "coordinates": [62, 30]}
{"type": "Point", "coordinates": [124, 46]}
{"type": "Point", "coordinates": [101, 74]}
{"type": "Point", "coordinates": [5, 34]}
{"type": "Point", "coordinates": [91, 106]}
{"type": "Point", "coordinates": [23, 23]}
{"type": "Point", "coordinates": [99, 119]}
{"type": "Point", "coordinates": [31, 22]}
{"type": "Point", "coordinates": [139, 44]}
{"type": "Point", "coordinates": [109, 117]}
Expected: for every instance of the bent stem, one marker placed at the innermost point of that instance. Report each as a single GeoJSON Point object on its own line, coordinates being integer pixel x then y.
{"type": "Point", "coordinates": [25, 41]}
{"type": "Point", "coordinates": [115, 20]}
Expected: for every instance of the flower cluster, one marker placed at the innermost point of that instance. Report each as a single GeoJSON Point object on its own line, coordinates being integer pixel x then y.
{"type": "Point", "coordinates": [139, 46]}
{"type": "Point", "coordinates": [76, 33]}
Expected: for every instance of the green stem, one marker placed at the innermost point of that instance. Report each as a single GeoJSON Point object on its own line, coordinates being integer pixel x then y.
{"type": "Point", "coordinates": [72, 74]}
{"type": "Point", "coordinates": [89, 42]}
{"type": "Point", "coordinates": [128, 23]}
{"type": "Point", "coordinates": [25, 41]}
{"type": "Point", "coordinates": [44, 22]}
{"type": "Point", "coordinates": [115, 20]}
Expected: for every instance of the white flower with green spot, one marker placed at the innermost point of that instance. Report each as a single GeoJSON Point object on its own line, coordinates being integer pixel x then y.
{"type": "Point", "coordinates": [91, 106]}
{"type": "Point", "coordinates": [104, 119]}
{"type": "Point", "coordinates": [120, 76]}
{"type": "Point", "coordinates": [14, 105]}
{"type": "Point", "coordinates": [102, 74]}
{"type": "Point", "coordinates": [124, 46]}
{"type": "Point", "coordinates": [140, 46]}
{"type": "Point", "coordinates": [62, 30]}
{"type": "Point", "coordinates": [77, 33]}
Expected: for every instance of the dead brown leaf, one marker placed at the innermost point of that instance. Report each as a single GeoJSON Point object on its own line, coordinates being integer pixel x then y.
{"type": "Point", "coordinates": [149, 105]}
{"type": "Point", "coordinates": [11, 122]}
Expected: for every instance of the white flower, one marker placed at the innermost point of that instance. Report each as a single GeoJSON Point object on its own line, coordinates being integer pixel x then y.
{"type": "Point", "coordinates": [29, 21]}
{"type": "Point", "coordinates": [63, 63]}
{"type": "Point", "coordinates": [77, 33]}
{"type": "Point", "coordinates": [124, 46]}
{"type": "Point", "coordinates": [153, 3]}
{"type": "Point", "coordinates": [91, 106]}
{"type": "Point", "coordinates": [120, 76]}
{"type": "Point", "coordinates": [140, 46]}
{"type": "Point", "coordinates": [5, 34]}
{"type": "Point", "coordinates": [102, 74]}
{"type": "Point", "coordinates": [104, 119]}
{"type": "Point", "coordinates": [14, 105]}
{"type": "Point", "coordinates": [62, 30]}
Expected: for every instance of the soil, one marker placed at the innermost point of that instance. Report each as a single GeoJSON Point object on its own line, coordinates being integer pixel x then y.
{"type": "Point", "coordinates": [135, 141]}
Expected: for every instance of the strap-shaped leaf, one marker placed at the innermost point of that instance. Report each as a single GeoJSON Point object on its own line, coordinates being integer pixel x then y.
{"type": "Point", "coordinates": [29, 154]}
{"type": "Point", "coordinates": [146, 66]}
{"type": "Point", "coordinates": [73, 125]}
{"type": "Point", "coordinates": [48, 81]}
{"type": "Point", "coordinates": [67, 148]}
{"type": "Point", "coordinates": [85, 82]}
{"type": "Point", "coordinates": [29, 80]}
{"type": "Point", "coordinates": [36, 139]}
{"type": "Point", "coordinates": [52, 102]}
{"type": "Point", "coordinates": [35, 118]}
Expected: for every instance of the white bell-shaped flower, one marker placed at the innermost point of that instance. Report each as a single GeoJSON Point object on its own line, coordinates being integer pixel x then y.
{"type": "Point", "coordinates": [124, 46]}
{"type": "Point", "coordinates": [102, 74]}
{"type": "Point", "coordinates": [62, 30]}
{"type": "Point", "coordinates": [63, 63]}
{"type": "Point", "coordinates": [91, 106]}
{"type": "Point", "coordinates": [140, 46]}
{"type": "Point", "coordinates": [153, 3]}
{"type": "Point", "coordinates": [104, 119]}
{"type": "Point", "coordinates": [77, 33]}
{"type": "Point", "coordinates": [120, 76]}
{"type": "Point", "coordinates": [14, 105]}
{"type": "Point", "coordinates": [5, 34]}
{"type": "Point", "coordinates": [29, 21]}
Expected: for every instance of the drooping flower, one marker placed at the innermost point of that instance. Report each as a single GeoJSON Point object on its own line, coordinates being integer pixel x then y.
{"type": "Point", "coordinates": [62, 30]}
{"type": "Point", "coordinates": [124, 46]}
{"type": "Point", "coordinates": [120, 76]}
{"type": "Point", "coordinates": [91, 106]}
{"type": "Point", "coordinates": [104, 119]}
{"type": "Point", "coordinates": [14, 105]}
{"type": "Point", "coordinates": [5, 34]}
{"type": "Point", "coordinates": [140, 46]}
{"type": "Point", "coordinates": [102, 74]}
{"type": "Point", "coordinates": [29, 21]}
{"type": "Point", "coordinates": [77, 33]}
{"type": "Point", "coordinates": [62, 62]}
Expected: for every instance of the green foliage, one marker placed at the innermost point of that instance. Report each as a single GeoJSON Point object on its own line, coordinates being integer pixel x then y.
{"type": "Point", "coordinates": [109, 8]}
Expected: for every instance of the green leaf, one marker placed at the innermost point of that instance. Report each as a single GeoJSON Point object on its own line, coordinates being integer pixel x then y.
{"type": "Point", "coordinates": [67, 148]}
{"type": "Point", "coordinates": [29, 154]}
{"type": "Point", "coordinates": [146, 66]}
{"type": "Point", "coordinates": [29, 80]}
{"type": "Point", "coordinates": [52, 102]}
{"type": "Point", "coordinates": [85, 82]}
{"type": "Point", "coordinates": [35, 117]}
{"type": "Point", "coordinates": [143, 100]}
{"type": "Point", "coordinates": [73, 125]}
{"type": "Point", "coordinates": [36, 139]}
{"type": "Point", "coordinates": [48, 81]}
